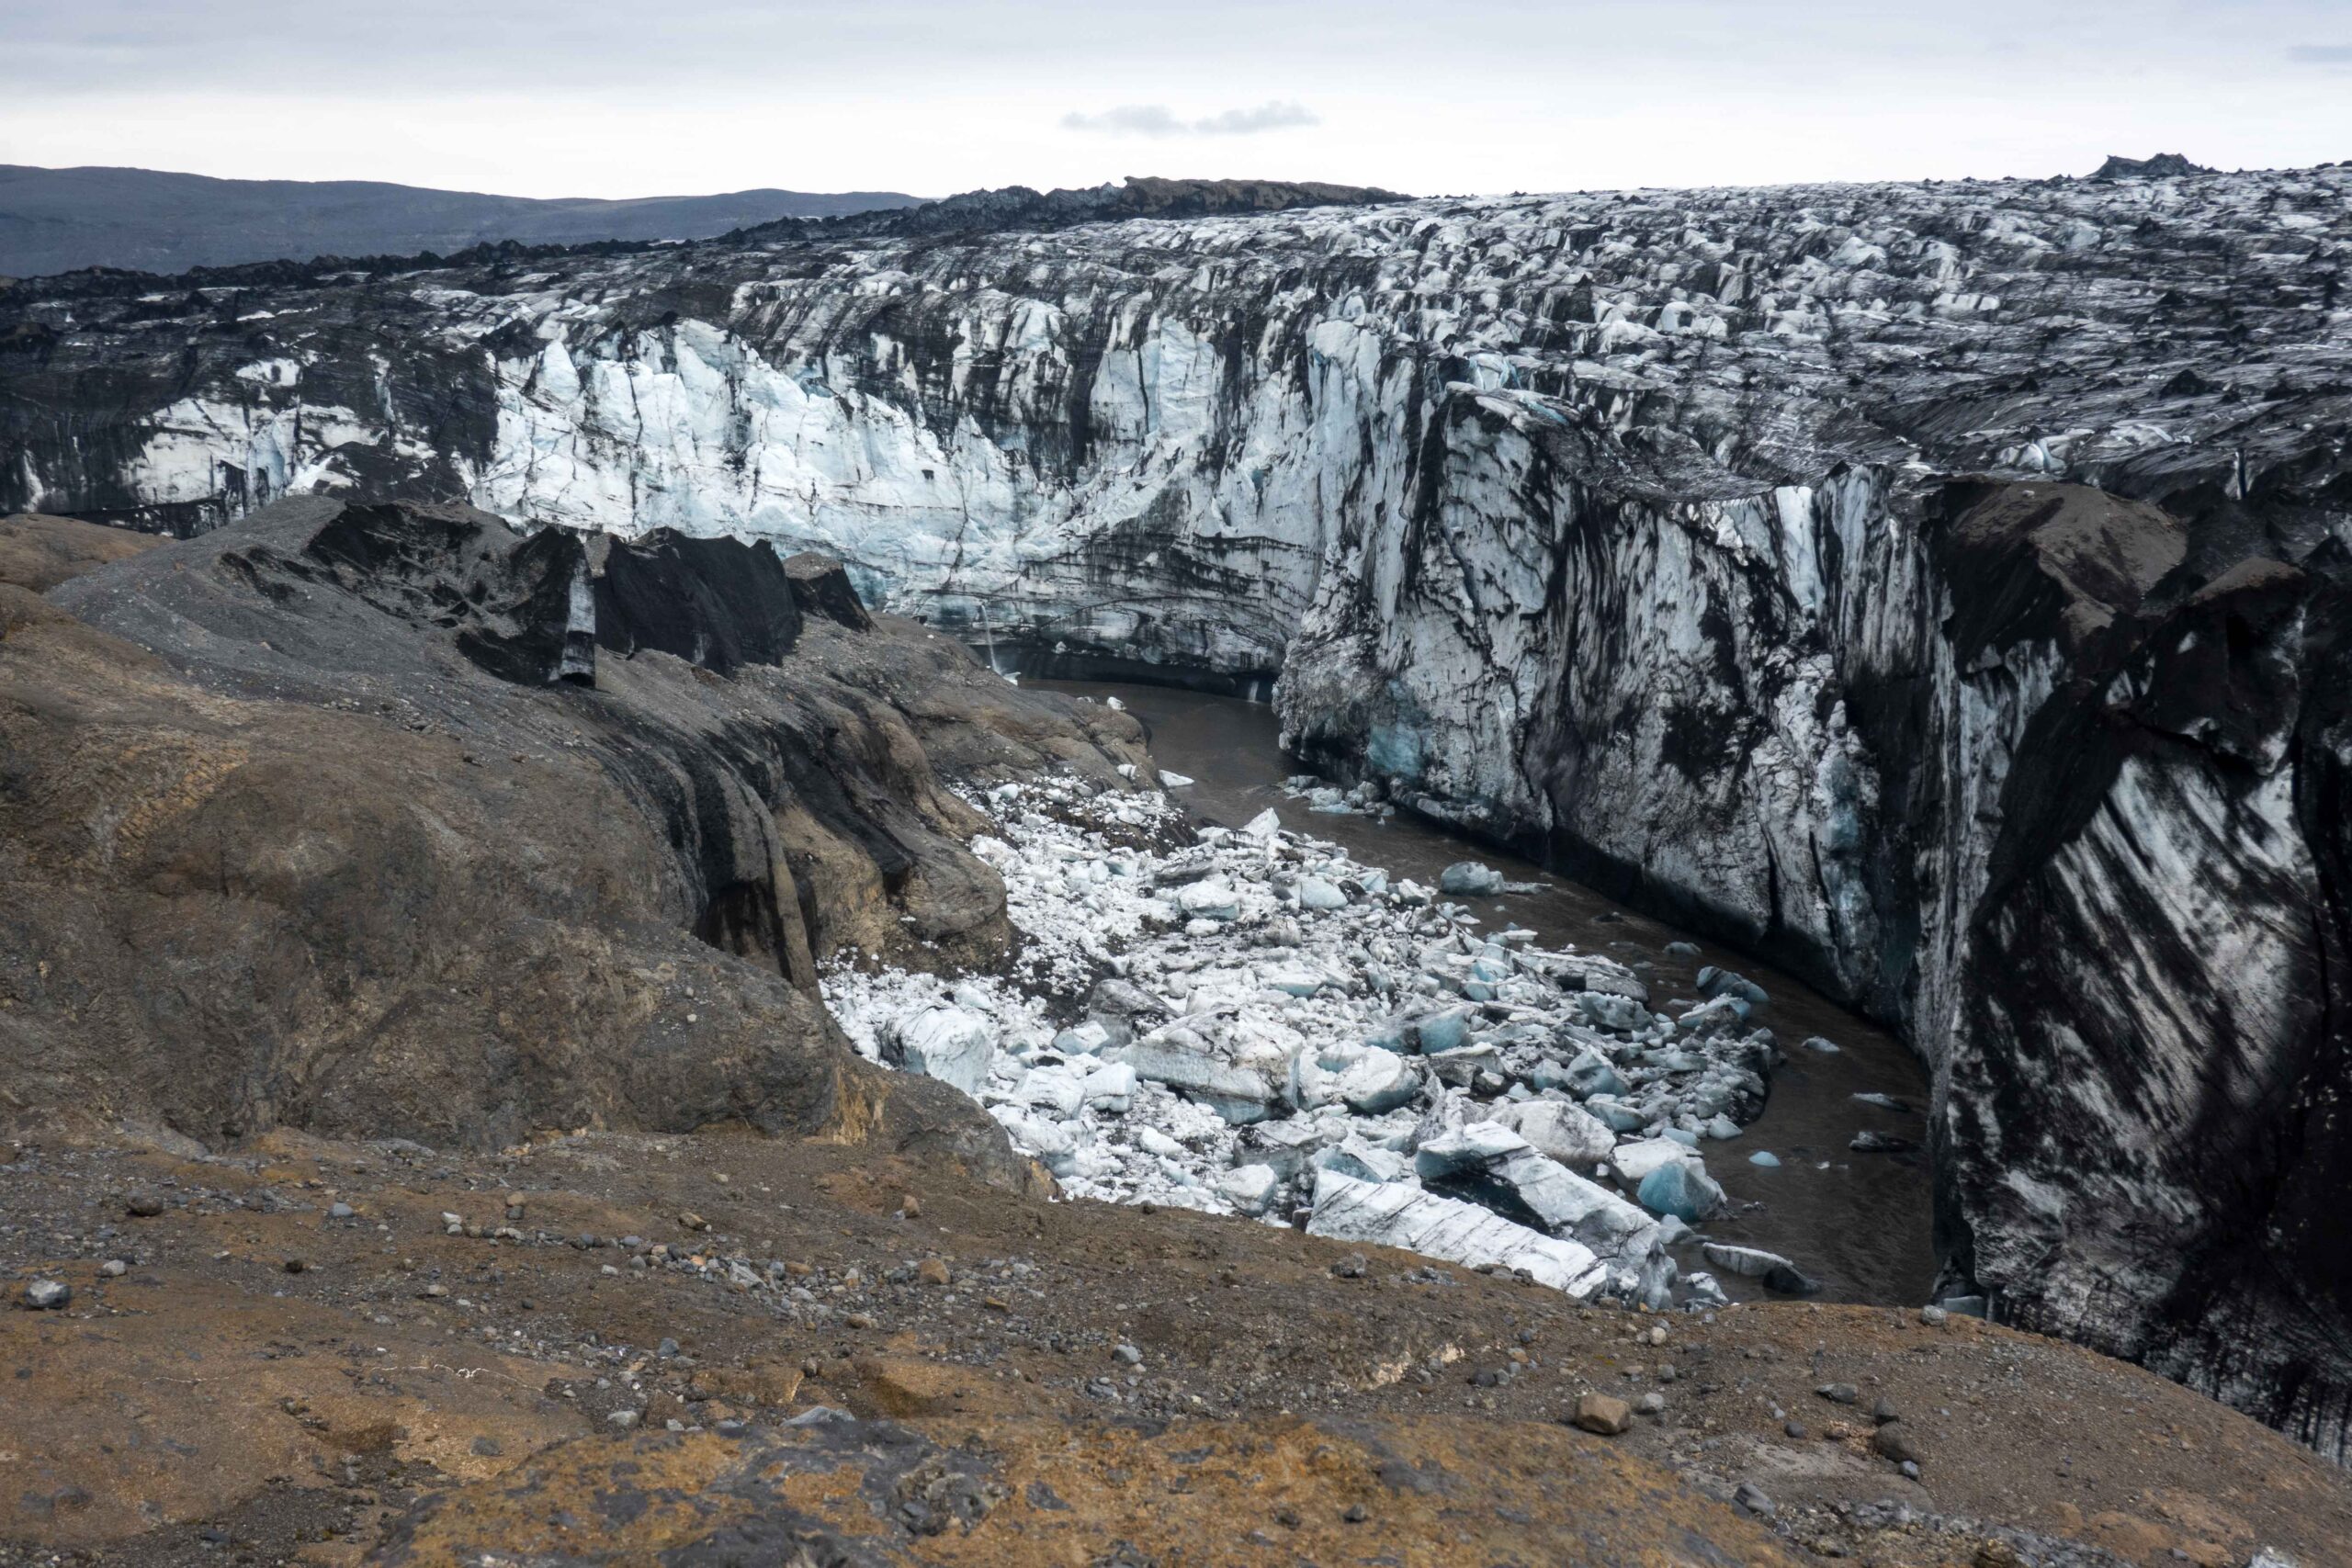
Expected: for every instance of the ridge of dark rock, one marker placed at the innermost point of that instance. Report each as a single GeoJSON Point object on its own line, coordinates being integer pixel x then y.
{"type": "Point", "coordinates": [1022, 208]}
{"type": "Point", "coordinates": [393, 820]}
{"type": "Point", "coordinates": [2163, 166]}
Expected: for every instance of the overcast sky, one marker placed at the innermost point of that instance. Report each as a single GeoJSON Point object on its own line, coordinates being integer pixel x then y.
{"type": "Point", "coordinates": [590, 98]}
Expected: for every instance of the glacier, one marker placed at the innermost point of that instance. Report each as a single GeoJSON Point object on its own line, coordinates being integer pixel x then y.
{"type": "Point", "coordinates": [1937, 588]}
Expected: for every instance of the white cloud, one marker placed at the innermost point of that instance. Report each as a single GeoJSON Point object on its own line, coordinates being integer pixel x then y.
{"type": "Point", "coordinates": [1128, 120]}
{"type": "Point", "coordinates": [1273, 115]}
{"type": "Point", "coordinates": [1158, 119]}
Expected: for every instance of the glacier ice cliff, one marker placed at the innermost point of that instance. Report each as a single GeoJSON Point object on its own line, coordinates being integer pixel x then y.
{"type": "Point", "coordinates": [1939, 588]}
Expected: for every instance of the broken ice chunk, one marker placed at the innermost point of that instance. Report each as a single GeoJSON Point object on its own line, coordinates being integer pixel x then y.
{"type": "Point", "coordinates": [953, 1045]}
{"type": "Point", "coordinates": [1635, 1158]}
{"type": "Point", "coordinates": [1623, 1014]}
{"type": "Point", "coordinates": [1682, 1190]}
{"type": "Point", "coordinates": [1777, 1272]}
{"type": "Point", "coordinates": [1468, 878]}
{"type": "Point", "coordinates": [1315, 893]}
{"type": "Point", "coordinates": [1379, 1081]}
{"type": "Point", "coordinates": [1364, 1161]}
{"type": "Point", "coordinates": [1249, 1188]}
{"type": "Point", "coordinates": [1110, 1089]}
{"type": "Point", "coordinates": [1463, 1149]}
{"type": "Point", "coordinates": [1213, 899]}
{"type": "Point", "coordinates": [1568, 1133]}
{"type": "Point", "coordinates": [1392, 1214]}
{"type": "Point", "coordinates": [1239, 1096]}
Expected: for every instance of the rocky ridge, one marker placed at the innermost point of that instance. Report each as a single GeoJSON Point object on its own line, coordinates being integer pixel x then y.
{"type": "Point", "coordinates": [1837, 568]}
{"type": "Point", "coordinates": [395, 822]}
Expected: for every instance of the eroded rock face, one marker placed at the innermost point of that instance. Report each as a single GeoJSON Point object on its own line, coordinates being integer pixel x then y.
{"type": "Point", "coordinates": [1929, 585]}
{"type": "Point", "coordinates": [375, 821]}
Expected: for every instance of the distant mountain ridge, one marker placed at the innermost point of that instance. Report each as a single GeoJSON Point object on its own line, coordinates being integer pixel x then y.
{"type": "Point", "coordinates": [55, 220]}
{"type": "Point", "coordinates": [1139, 196]}
{"type": "Point", "coordinates": [2163, 166]}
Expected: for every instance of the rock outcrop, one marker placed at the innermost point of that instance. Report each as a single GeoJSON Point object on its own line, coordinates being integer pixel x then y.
{"type": "Point", "coordinates": [1931, 586]}
{"type": "Point", "coordinates": [386, 820]}
{"type": "Point", "coordinates": [2163, 166]}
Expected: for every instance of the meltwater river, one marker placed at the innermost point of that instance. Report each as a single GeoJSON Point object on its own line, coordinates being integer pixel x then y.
{"type": "Point", "coordinates": [1857, 1222]}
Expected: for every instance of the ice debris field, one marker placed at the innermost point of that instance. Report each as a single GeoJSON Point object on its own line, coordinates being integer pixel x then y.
{"type": "Point", "coordinates": [1269, 1028]}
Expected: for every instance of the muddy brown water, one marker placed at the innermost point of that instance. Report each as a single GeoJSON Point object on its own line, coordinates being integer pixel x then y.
{"type": "Point", "coordinates": [1857, 1222]}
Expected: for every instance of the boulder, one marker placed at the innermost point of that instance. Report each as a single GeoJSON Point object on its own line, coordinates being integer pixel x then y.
{"type": "Point", "coordinates": [1604, 1414]}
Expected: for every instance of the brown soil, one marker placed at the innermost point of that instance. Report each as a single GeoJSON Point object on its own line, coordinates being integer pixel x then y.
{"type": "Point", "coordinates": [410, 1395]}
